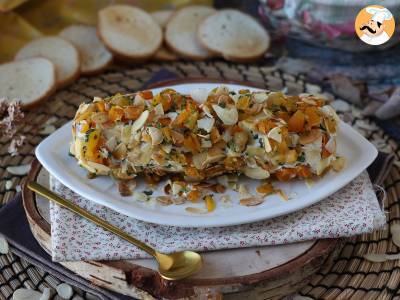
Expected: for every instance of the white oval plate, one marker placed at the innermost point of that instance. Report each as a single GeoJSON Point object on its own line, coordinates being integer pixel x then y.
{"type": "Point", "coordinates": [53, 155]}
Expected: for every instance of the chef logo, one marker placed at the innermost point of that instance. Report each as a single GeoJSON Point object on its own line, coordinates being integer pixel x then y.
{"type": "Point", "coordinates": [375, 25]}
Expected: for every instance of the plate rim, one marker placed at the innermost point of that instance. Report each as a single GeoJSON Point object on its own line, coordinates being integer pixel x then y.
{"type": "Point", "coordinates": [182, 221]}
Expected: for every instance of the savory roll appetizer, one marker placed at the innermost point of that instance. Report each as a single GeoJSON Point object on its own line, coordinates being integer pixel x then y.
{"type": "Point", "coordinates": [205, 134]}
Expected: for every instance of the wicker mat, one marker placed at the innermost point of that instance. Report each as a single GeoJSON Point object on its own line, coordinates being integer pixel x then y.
{"type": "Point", "coordinates": [349, 276]}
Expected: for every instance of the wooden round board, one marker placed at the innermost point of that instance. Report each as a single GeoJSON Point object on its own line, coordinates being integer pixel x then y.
{"type": "Point", "coordinates": [256, 273]}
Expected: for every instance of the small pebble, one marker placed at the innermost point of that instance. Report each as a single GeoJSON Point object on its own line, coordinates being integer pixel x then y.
{"type": "Point", "coordinates": [340, 105]}
{"type": "Point", "coordinates": [26, 294]}
{"type": "Point", "coordinates": [3, 245]}
{"type": "Point", "coordinates": [19, 170]}
{"type": "Point", "coordinates": [64, 290]}
{"type": "Point", "coordinates": [46, 294]}
{"type": "Point", "coordinates": [9, 184]}
{"type": "Point", "coordinates": [47, 129]}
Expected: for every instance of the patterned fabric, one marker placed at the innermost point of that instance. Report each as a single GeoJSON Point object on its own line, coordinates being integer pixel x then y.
{"type": "Point", "coordinates": [351, 211]}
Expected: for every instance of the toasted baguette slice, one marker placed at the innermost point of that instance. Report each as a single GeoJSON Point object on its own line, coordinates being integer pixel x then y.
{"type": "Point", "coordinates": [129, 32]}
{"type": "Point", "coordinates": [29, 80]}
{"type": "Point", "coordinates": [235, 35]}
{"type": "Point", "coordinates": [60, 52]}
{"type": "Point", "coordinates": [93, 54]}
{"type": "Point", "coordinates": [180, 32]}
{"type": "Point", "coordinates": [162, 17]}
{"type": "Point", "coordinates": [163, 53]}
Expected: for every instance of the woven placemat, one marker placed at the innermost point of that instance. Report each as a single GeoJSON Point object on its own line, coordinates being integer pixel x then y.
{"type": "Point", "coordinates": [349, 276]}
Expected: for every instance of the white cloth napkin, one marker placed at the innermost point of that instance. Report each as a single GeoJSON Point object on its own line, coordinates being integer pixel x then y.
{"type": "Point", "coordinates": [352, 210]}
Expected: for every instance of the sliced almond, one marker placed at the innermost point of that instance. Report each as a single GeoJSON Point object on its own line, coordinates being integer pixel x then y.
{"type": "Point", "coordinates": [206, 123]}
{"type": "Point", "coordinates": [228, 116]}
{"type": "Point", "coordinates": [156, 135]}
{"type": "Point", "coordinates": [339, 164]}
{"type": "Point", "coordinates": [139, 122]}
{"type": "Point", "coordinates": [256, 173]}
{"type": "Point", "coordinates": [196, 210]}
{"type": "Point", "coordinates": [178, 200]}
{"type": "Point", "coordinates": [309, 137]}
{"type": "Point", "coordinates": [251, 201]}
{"type": "Point", "coordinates": [164, 200]}
{"type": "Point", "coordinates": [199, 95]}
{"type": "Point", "coordinates": [275, 134]}
{"type": "Point", "coordinates": [199, 160]}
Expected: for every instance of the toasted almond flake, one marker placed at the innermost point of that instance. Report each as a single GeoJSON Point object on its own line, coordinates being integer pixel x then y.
{"type": "Point", "coordinates": [139, 122]}
{"type": "Point", "coordinates": [256, 173]}
{"type": "Point", "coordinates": [164, 200]}
{"type": "Point", "coordinates": [251, 201]}
{"type": "Point", "coordinates": [331, 145]}
{"type": "Point", "coordinates": [124, 189]}
{"type": "Point", "coordinates": [309, 183]}
{"type": "Point", "coordinates": [242, 190]}
{"type": "Point", "coordinates": [267, 145]}
{"type": "Point", "coordinates": [206, 123]}
{"type": "Point", "coordinates": [139, 196]}
{"type": "Point", "coordinates": [282, 194]}
{"type": "Point", "coordinates": [199, 95]}
{"type": "Point", "coordinates": [395, 231]}
{"type": "Point", "coordinates": [339, 164]}
{"type": "Point", "coordinates": [228, 116]}
{"type": "Point", "coordinates": [275, 134]}
{"type": "Point", "coordinates": [226, 201]}
{"type": "Point", "coordinates": [310, 137]}
{"type": "Point", "coordinates": [309, 101]}
{"type": "Point", "coordinates": [196, 210]}
{"type": "Point", "coordinates": [3, 245]}
{"type": "Point", "coordinates": [260, 97]}
{"type": "Point", "coordinates": [19, 170]}
{"type": "Point", "coordinates": [177, 187]}
{"type": "Point", "coordinates": [178, 200]}
{"type": "Point", "coordinates": [156, 135]}
{"type": "Point", "coordinates": [159, 110]}
{"type": "Point", "coordinates": [64, 290]}
{"type": "Point", "coordinates": [199, 160]}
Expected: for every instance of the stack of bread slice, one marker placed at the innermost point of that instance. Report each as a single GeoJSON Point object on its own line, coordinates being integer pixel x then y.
{"type": "Point", "coordinates": [132, 35]}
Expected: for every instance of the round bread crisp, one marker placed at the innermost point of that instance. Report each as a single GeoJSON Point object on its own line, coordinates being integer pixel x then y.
{"type": "Point", "coordinates": [162, 17]}
{"type": "Point", "coordinates": [163, 53]}
{"type": "Point", "coordinates": [60, 52]}
{"type": "Point", "coordinates": [93, 54]}
{"type": "Point", "coordinates": [235, 35]}
{"type": "Point", "coordinates": [129, 32]}
{"type": "Point", "coordinates": [29, 80]}
{"type": "Point", "coordinates": [180, 32]}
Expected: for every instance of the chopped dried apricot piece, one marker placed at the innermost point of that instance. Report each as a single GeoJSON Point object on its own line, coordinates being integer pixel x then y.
{"type": "Point", "coordinates": [133, 112]}
{"type": "Point", "coordinates": [296, 122]}
{"type": "Point", "coordinates": [194, 195]}
{"type": "Point", "coordinates": [146, 95]}
{"type": "Point", "coordinates": [303, 171]}
{"type": "Point", "coordinates": [265, 188]}
{"type": "Point", "coordinates": [312, 116]}
{"type": "Point", "coordinates": [115, 113]}
{"type": "Point", "coordinates": [210, 203]}
{"type": "Point", "coordinates": [286, 174]}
